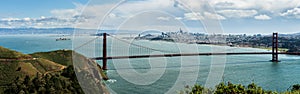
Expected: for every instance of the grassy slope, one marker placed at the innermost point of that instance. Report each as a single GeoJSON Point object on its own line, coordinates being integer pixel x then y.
{"type": "Point", "coordinates": [41, 63]}
{"type": "Point", "coordinates": [63, 57]}
{"type": "Point", "coordinates": [10, 54]}
{"type": "Point", "coordinates": [9, 69]}
{"type": "Point", "coordinates": [8, 72]}
{"type": "Point", "coordinates": [25, 65]}
{"type": "Point", "coordinates": [28, 69]}
{"type": "Point", "coordinates": [44, 65]}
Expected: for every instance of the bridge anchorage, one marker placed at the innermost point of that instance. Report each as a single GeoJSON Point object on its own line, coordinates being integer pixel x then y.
{"type": "Point", "coordinates": [105, 57]}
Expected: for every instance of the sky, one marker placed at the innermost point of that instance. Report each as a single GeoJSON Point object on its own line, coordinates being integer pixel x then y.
{"type": "Point", "coordinates": [214, 16]}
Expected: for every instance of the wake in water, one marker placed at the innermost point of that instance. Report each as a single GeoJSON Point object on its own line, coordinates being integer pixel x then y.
{"type": "Point", "coordinates": [111, 81]}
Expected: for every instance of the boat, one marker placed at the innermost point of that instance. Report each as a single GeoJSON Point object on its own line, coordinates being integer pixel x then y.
{"type": "Point", "coordinates": [59, 39]}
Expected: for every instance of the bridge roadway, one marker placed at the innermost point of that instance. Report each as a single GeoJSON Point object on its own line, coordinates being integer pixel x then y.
{"type": "Point", "coordinates": [192, 54]}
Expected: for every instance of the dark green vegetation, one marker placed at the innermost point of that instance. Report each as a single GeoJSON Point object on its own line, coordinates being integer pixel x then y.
{"type": "Point", "coordinates": [10, 54]}
{"type": "Point", "coordinates": [63, 57]}
{"type": "Point", "coordinates": [61, 82]}
{"type": "Point", "coordinates": [230, 88]}
{"type": "Point", "coordinates": [17, 65]}
{"type": "Point", "coordinates": [292, 43]}
{"type": "Point", "coordinates": [46, 73]}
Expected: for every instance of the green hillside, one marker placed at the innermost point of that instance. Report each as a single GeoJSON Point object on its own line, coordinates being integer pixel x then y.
{"type": "Point", "coordinates": [44, 72]}
{"type": "Point", "coordinates": [10, 54]}
{"type": "Point", "coordinates": [14, 65]}
{"type": "Point", "coordinates": [63, 57]}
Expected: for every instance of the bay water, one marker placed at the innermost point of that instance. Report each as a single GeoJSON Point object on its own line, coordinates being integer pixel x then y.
{"type": "Point", "coordinates": [171, 74]}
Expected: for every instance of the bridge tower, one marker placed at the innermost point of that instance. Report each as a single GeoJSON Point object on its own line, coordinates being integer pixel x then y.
{"type": "Point", "coordinates": [275, 47]}
{"type": "Point", "coordinates": [104, 53]}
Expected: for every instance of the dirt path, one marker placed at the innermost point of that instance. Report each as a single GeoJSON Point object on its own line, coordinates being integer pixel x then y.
{"type": "Point", "coordinates": [51, 71]}
{"type": "Point", "coordinates": [62, 67]}
{"type": "Point", "coordinates": [9, 60]}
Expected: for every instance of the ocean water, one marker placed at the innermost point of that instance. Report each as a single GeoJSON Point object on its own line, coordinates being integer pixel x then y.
{"type": "Point", "coordinates": [170, 74]}
{"type": "Point", "coordinates": [33, 43]}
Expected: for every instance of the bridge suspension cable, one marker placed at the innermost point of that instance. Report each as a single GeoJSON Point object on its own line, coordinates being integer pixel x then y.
{"type": "Point", "coordinates": [92, 40]}
{"type": "Point", "coordinates": [86, 43]}
{"type": "Point", "coordinates": [165, 51]}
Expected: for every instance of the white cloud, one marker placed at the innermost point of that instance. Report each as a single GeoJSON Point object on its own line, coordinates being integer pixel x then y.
{"type": "Point", "coordinates": [292, 13]}
{"type": "Point", "coordinates": [262, 17]}
{"type": "Point", "coordinates": [65, 12]}
{"type": "Point", "coordinates": [273, 6]}
{"type": "Point", "coordinates": [26, 19]}
{"type": "Point", "coordinates": [241, 8]}
{"type": "Point", "coordinates": [178, 18]}
{"type": "Point", "coordinates": [202, 16]}
{"type": "Point", "coordinates": [163, 18]}
{"type": "Point", "coordinates": [9, 19]}
{"type": "Point", "coordinates": [192, 5]}
{"type": "Point", "coordinates": [238, 13]}
{"type": "Point", "coordinates": [88, 17]}
{"type": "Point", "coordinates": [236, 4]}
{"type": "Point", "coordinates": [149, 21]}
{"type": "Point", "coordinates": [213, 16]}
{"type": "Point", "coordinates": [43, 17]}
{"type": "Point", "coordinates": [93, 15]}
{"type": "Point", "coordinates": [193, 16]}
{"type": "Point", "coordinates": [131, 8]}
{"type": "Point", "coordinates": [42, 22]}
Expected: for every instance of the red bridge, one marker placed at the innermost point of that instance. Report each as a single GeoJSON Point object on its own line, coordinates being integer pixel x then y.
{"type": "Point", "coordinates": [274, 53]}
{"type": "Point", "coordinates": [192, 54]}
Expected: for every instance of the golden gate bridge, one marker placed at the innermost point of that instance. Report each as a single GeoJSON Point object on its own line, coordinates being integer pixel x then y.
{"type": "Point", "coordinates": [104, 57]}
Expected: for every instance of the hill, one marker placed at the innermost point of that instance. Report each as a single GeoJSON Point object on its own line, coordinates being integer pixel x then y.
{"type": "Point", "coordinates": [14, 65]}
{"type": "Point", "coordinates": [10, 54]}
{"type": "Point", "coordinates": [48, 72]}
{"type": "Point", "coordinates": [63, 57]}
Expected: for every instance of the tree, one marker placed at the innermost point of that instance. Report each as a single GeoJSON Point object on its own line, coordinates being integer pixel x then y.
{"type": "Point", "coordinates": [26, 80]}
{"type": "Point", "coordinates": [296, 87]}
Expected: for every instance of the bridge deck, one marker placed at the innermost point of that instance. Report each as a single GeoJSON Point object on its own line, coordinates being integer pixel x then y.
{"type": "Point", "coordinates": [191, 54]}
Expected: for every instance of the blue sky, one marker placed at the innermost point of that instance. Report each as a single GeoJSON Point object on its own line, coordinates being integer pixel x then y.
{"type": "Point", "coordinates": [232, 16]}
{"type": "Point", "coordinates": [34, 8]}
